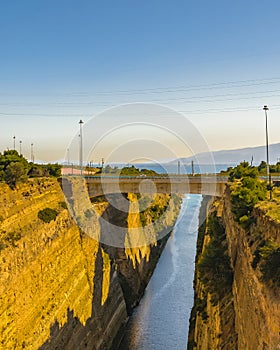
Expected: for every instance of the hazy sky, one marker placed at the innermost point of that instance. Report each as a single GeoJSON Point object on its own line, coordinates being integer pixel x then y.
{"type": "Point", "coordinates": [63, 60]}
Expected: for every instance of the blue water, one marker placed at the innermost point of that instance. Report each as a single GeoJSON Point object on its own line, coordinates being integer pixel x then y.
{"type": "Point", "coordinates": [161, 321]}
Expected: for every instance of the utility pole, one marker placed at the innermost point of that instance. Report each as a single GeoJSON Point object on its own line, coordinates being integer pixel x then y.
{"type": "Point", "coordinates": [20, 142]}
{"type": "Point", "coordinates": [81, 147]}
{"type": "Point", "coordinates": [192, 168]}
{"type": "Point", "coordinates": [68, 156]}
{"type": "Point", "coordinates": [179, 170]}
{"type": "Point", "coordinates": [14, 143]}
{"type": "Point", "coordinates": [265, 108]}
{"type": "Point", "coordinates": [32, 153]}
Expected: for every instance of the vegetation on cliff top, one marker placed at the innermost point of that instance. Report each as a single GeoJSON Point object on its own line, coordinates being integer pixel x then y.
{"type": "Point", "coordinates": [125, 171]}
{"type": "Point", "coordinates": [247, 190]}
{"type": "Point", "coordinates": [267, 258]}
{"type": "Point", "coordinates": [47, 215]}
{"type": "Point", "coordinates": [272, 208]}
{"type": "Point", "coordinates": [14, 169]}
{"type": "Point", "coordinates": [261, 168]}
{"type": "Point", "coordinates": [270, 263]}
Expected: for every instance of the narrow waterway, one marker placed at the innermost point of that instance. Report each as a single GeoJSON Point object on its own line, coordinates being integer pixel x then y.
{"type": "Point", "coordinates": [161, 320]}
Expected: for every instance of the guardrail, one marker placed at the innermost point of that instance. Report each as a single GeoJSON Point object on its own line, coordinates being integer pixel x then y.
{"type": "Point", "coordinates": [217, 177]}
{"type": "Point", "coordinates": [168, 177]}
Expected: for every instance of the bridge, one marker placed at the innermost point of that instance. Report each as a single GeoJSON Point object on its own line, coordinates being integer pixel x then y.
{"type": "Point", "coordinates": [180, 184]}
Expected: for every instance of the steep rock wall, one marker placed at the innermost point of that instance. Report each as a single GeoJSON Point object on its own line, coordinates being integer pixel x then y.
{"type": "Point", "coordinates": [212, 321]}
{"type": "Point", "coordinates": [249, 314]}
{"type": "Point", "coordinates": [257, 308]}
{"type": "Point", "coordinates": [59, 288]}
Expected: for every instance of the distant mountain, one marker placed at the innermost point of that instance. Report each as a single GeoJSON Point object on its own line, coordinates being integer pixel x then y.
{"type": "Point", "coordinates": [236, 156]}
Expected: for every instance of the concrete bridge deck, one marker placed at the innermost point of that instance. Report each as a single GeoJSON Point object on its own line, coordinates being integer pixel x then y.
{"type": "Point", "coordinates": [207, 185]}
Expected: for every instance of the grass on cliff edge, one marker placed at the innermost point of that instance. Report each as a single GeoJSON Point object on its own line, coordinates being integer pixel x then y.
{"type": "Point", "coordinates": [272, 208]}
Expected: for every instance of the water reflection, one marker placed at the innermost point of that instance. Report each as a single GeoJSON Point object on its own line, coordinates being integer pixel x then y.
{"type": "Point", "coordinates": [161, 321]}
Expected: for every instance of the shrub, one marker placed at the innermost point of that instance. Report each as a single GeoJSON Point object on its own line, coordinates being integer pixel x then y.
{"type": "Point", "coordinates": [13, 237]}
{"type": "Point", "coordinates": [10, 172]}
{"type": "Point", "coordinates": [47, 215]}
{"type": "Point", "coordinates": [257, 255]}
{"type": "Point", "coordinates": [201, 305]}
{"type": "Point", "coordinates": [244, 196]}
{"type": "Point", "coordinates": [214, 264]}
{"type": "Point", "coordinates": [63, 205]}
{"type": "Point", "coordinates": [89, 213]}
{"type": "Point", "coordinates": [37, 171]}
{"type": "Point", "coordinates": [9, 239]}
{"type": "Point", "coordinates": [53, 169]}
{"type": "Point", "coordinates": [15, 173]}
{"type": "Point", "coordinates": [270, 263]}
{"type": "Point", "coordinates": [243, 170]}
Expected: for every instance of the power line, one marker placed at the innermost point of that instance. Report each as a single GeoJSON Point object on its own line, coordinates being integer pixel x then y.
{"type": "Point", "coordinates": [202, 111]}
{"type": "Point", "coordinates": [197, 87]}
{"type": "Point", "coordinates": [186, 99]}
{"type": "Point", "coordinates": [226, 84]}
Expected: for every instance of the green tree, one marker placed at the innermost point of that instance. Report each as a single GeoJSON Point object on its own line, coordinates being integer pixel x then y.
{"type": "Point", "coordinates": [149, 172]}
{"type": "Point", "coordinates": [47, 215]}
{"type": "Point", "coordinates": [53, 170]}
{"type": "Point", "coordinates": [243, 170]}
{"type": "Point", "coordinates": [270, 263]}
{"type": "Point", "coordinates": [9, 157]}
{"type": "Point", "coordinates": [107, 169]}
{"type": "Point", "coordinates": [130, 171]}
{"type": "Point", "coordinates": [245, 196]}
{"type": "Point", "coordinates": [262, 167]}
{"type": "Point", "coordinates": [15, 173]}
{"type": "Point", "coordinates": [38, 171]}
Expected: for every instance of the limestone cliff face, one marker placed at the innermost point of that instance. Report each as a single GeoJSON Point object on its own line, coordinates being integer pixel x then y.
{"type": "Point", "coordinates": [212, 321]}
{"type": "Point", "coordinates": [59, 288]}
{"type": "Point", "coordinates": [247, 317]}
{"type": "Point", "coordinates": [257, 308]}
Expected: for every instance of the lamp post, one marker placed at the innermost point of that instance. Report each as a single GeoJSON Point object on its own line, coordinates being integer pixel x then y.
{"type": "Point", "coordinates": [14, 143]}
{"type": "Point", "coordinates": [68, 156]}
{"type": "Point", "coordinates": [81, 147]}
{"type": "Point", "coordinates": [265, 108]}
{"type": "Point", "coordinates": [20, 142]}
{"type": "Point", "coordinates": [32, 153]}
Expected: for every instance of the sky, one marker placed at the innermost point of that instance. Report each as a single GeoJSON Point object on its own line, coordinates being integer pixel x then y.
{"type": "Point", "coordinates": [217, 62]}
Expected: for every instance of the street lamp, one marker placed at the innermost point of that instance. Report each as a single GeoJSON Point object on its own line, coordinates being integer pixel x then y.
{"type": "Point", "coordinates": [14, 143]}
{"type": "Point", "coordinates": [32, 153]}
{"type": "Point", "coordinates": [265, 108]}
{"type": "Point", "coordinates": [68, 156]}
{"type": "Point", "coordinates": [20, 142]}
{"type": "Point", "coordinates": [81, 147]}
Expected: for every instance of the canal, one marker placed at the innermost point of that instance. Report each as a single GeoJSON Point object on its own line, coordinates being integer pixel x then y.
{"type": "Point", "coordinates": [161, 320]}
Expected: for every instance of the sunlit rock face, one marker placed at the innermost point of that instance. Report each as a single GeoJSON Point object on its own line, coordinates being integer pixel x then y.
{"type": "Point", "coordinates": [247, 316]}
{"type": "Point", "coordinates": [59, 287]}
